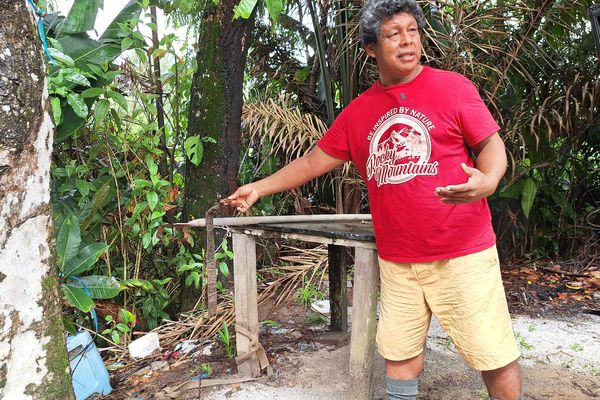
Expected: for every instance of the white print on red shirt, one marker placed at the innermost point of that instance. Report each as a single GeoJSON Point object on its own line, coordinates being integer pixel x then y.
{"type": "Point", "coordinates": [400, 149]}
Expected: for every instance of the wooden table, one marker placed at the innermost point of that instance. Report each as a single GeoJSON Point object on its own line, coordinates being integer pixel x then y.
{"type": "Point", "coordinates": [358, 235]}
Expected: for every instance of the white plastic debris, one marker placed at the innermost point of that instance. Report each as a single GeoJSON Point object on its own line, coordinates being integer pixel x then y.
{"type": "Point", "coordinates": [321, 306]}
{"type": "Point", "coordinates": [207, 350]}
{"type": "Point", "coordinates": [187, 346]}
{"type": "Point", "coordinates": [144, 346]}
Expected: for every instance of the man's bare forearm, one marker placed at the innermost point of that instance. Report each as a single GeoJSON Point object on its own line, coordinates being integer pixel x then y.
{"type": "Point", "coordinates": [297, 173]}
{"type": "Point", "coordinates": [491, 158]}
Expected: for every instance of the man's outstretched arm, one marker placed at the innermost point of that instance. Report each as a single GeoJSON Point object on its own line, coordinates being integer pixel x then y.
{"type": "Point", "coordinates": [294, 174]}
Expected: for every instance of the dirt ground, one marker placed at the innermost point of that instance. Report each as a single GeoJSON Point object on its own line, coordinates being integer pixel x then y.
{"type": "Point", "coordinates": [559, 337]}
{"type": "Point", "coordinates": [554, 371]}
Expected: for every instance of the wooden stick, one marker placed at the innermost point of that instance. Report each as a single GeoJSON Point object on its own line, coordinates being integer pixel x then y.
{"type": "Point", "coordinates": [239, 221]}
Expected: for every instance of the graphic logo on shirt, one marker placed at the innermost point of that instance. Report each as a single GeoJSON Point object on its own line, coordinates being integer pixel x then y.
{"type": "Point", "coordinates": [400, 149]}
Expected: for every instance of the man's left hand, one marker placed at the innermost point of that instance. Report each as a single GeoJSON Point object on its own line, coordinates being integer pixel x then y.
{"type": "Point", "coordinates": [477, 187]}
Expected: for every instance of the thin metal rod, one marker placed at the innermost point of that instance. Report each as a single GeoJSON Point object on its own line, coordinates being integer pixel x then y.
{"type": "Point", "coordinates": [239, 221]}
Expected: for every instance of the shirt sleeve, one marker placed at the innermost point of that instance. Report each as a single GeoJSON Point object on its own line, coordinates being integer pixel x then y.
{"type": "Point", "coordinates": [476, 121]}
{"type": "Point", "coordinates": [335, 141]}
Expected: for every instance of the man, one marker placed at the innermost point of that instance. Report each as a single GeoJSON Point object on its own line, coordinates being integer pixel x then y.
{"type": "Point", "coordinates": [410, 136]}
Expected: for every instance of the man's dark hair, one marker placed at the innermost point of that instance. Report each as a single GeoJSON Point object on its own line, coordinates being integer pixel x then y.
{"type": "Point", "coordinates": [375, 11]}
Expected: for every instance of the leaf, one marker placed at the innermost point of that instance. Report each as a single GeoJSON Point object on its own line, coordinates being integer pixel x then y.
{"type": "Point", "coordinates": [186, 6]}
{"type": "Point", "coordinates": [224, 269]}
{"type": "Point", "coordinates": [116, 30]}
{"type": "Point", "coordinates": [152, 198]}
{"type": "Point", "coordinates": [126, 43]}
{"type": "Point", "coordinates": [514, 191]}
{"type": "Point", "coordinates": [78, 78]}
{"type": "Point", "coordinates": [152, 167]}
{"type": "Point", "coordinates": [85, 259]}
{"type": "Point", "coordinates": [81, 17]}
{"type": "Point", "coordinates": [78, 105]}
{"type": "Point", "coordinates": [78, 298]}
{"type": "Point", "coordinates": [70, 123]}
{"type": "Point", "coordinates": [96, 70]}
{"type": "Point", "coordinates": [141, 183]}
{"type": "Point", "coordinates": [83, 187]}
{"type": "Point", "coordinates": [68, 240]}
{"type": "Point", "coordinates": [275, 8]}
{"type": "Point", "coordinates": [146, 240]}
{"type": "Point", "coordinates": [101, 110]}
{"type": "Point", "coordinates": [136, 282]}
{"type": "Point", "coordinates": [244, 9]}
{"type": "Point", "coordinates": [100, 286]}
{"type": "Point", "coordinates": [61, 57]}
{"type": "Point", "coordinates": [139, 208]}
{"type": "Point", "coordinates": [118, 98]}
{"type": "Point", "coordinates": [98, 201]}
{"type": "Point", "coordinates": [194, 149]}
{"type": "Point", "coordinates": [56, 109]}
{"type": "Point", "coordinates": [115, 336]}
{"type": "Point", "coordinates": [528, 196]}
{"type": "Point", "coordinates": [157, 214]}
{"type": "Point", "coordinates": [92, 92]}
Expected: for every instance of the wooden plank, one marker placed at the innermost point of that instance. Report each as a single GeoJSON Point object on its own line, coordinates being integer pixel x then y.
{"type": "Point", "coordinates": [307, 238]}
{"type": "Point", "coordinates": [246, 306]}
{"type": "Point", "coordinates": [364, 322]}
{"type": "Point", "coordinates": [338, 289]}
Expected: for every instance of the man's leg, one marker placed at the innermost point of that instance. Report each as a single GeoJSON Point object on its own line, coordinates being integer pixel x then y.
{"type": "Point", "coordinates": [504, 383]}
{"type": "Point", "coordinates": [401, 379]}
{"type": "Point", "coordinates": [467, 297]}
{"type": "Point", "coordinates": [402, 328]}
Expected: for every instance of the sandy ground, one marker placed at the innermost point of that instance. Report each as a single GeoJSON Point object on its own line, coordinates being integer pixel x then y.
{"type": "Point", "coordinates": [561, 360]}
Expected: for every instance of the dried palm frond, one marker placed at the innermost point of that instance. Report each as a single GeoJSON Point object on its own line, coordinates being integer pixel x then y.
{"type": "Point", "coordinates": [290, 131]}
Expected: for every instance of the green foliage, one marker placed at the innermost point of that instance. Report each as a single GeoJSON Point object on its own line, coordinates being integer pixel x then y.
{"type": "Point", "coordinates": [151, 297]}
{"type": "Point", "coordinates": [316, 319]}
{"type": "Point", "coordinates": [83, 74]}
{"type": "Point", "coordinates": [74, 259]}
{"type": "Point", "coordinates": [275, 8]}
{"type": "Point", "coordinates": [225, 338]}
{"type": "Point", "coordinates": [117, 329]}
{"type": "Point", "coordinates": [522, 341]}
{"type": "Point", "coordinates": [307, 294]}
{"type": "Point", "coordinates": [206, 369]}
{"type": "Point", "coordinates": [109, 176]}
{"type": "Point", "coordinates": [194, 148]}
{"type": "Point", "coordinates": [270, 323]}
{"type": "Point", "coordinates": [193, 267]}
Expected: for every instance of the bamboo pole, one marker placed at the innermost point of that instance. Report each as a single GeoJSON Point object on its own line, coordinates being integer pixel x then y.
{"type": "Point", "coordinates": [240, 221]}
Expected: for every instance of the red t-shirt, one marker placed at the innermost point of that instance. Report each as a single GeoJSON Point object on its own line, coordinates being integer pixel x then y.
{"type": "Point", "coordinates": [405, 141]}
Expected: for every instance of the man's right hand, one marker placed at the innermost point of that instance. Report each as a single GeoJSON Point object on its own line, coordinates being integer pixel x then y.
{"type": "Point", "coordinates": [243, 198]}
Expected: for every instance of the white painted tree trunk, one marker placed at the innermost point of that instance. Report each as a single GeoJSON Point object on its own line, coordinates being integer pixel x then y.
{"type": "Point", "coordinates": [33, 359]}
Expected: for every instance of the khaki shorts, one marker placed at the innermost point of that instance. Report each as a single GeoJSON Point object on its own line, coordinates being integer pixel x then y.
{"type": "Point", "coordinates": [466, 296]}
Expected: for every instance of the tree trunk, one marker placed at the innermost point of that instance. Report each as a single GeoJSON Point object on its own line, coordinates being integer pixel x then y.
{"type": "Point", "coordinates": [33, 359]}
{"type": "Point", "coordinates": [216, 110]}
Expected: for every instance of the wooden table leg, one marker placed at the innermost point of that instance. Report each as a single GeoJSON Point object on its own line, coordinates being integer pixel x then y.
{"type": "Point", "coordinates": [338, 298]}
{"type": "Point", "coordinates": [246, 306]}
{"type": "Point", "coordinates": [364, 322]}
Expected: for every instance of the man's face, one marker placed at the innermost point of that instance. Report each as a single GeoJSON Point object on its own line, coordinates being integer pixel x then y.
{"type": "Point", "coordinates": [398, 49]}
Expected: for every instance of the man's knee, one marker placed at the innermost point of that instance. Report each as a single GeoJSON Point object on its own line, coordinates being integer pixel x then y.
{"type": "Point", "coordinates": [405, 369]}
